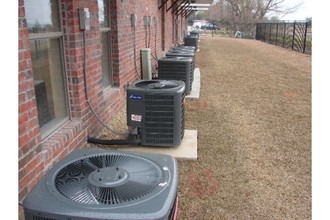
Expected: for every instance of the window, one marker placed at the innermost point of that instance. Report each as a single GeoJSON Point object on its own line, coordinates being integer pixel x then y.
{"type": "Point", "coordinates": [43, 22]}
{"type": "Point", "coordinates": [104, 22]}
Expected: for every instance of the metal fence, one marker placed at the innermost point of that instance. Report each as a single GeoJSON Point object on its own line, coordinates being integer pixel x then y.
{"type": "Point", "coordinates": [292, 35]}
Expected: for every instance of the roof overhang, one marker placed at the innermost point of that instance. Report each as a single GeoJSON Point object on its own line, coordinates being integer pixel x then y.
{"type": "Point", "coordinates": [185, 7]}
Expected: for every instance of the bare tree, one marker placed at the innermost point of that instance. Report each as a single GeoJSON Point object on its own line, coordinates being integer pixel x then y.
{"type": "Point", "coordinates": [243, 14]}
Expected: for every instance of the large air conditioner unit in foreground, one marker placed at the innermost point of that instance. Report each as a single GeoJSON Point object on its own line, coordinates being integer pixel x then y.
{"type": "Point", "coordinates": [98, 184]}
{"type": "Point", "coordinates": [155, 110]}
{"type": "Point", "coordinates": [177, 68]}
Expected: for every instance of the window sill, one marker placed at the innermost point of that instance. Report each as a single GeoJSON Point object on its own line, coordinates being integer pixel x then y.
{"type": "Point", "coordinates": [60, 138]}
{"type": "Point", "coordinates": [108, 91]}
{"type": "Point", "coordinates": [52, 126]}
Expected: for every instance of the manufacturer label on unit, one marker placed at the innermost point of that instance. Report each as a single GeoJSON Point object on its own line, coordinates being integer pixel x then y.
{"type": "Point", "coordinates": [137, 118]}
{"type": "Point", "coordinates": [135, 97]}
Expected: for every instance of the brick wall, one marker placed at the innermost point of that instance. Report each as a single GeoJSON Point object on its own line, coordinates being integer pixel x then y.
{"type": "Point", "coordinates": [37, 155]}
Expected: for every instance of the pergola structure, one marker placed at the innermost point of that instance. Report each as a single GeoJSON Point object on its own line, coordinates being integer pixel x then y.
{"type": "Point", "coordinates": [186, 7]}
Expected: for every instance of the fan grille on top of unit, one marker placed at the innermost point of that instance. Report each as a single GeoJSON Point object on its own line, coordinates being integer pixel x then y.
{"type": "Point", "coordinates": [109, 179]}
{"type": "Point", "coordinates": [160, 84]}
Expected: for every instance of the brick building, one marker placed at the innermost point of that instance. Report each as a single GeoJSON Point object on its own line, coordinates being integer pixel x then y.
{"type": "Point", "coordinates": [54, 116]}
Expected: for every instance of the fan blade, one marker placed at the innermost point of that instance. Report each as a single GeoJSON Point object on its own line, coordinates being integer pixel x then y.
{"type": "Point", "coordinates": [75, 182]}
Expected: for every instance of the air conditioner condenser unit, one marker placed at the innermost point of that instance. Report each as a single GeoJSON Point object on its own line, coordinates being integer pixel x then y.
{"type": "Point", "coordinates": [155, 109]}
{"type": "Point", "coordinates": [183, 53]}
{"type": "Point", "coordinates": [190, 49]}
{"type": "Point", "coordinates": [99, 184]}
{"type": "Point", "coordinates": [191, 40]}
{"type": "Point", "coordinates": [177, 68]}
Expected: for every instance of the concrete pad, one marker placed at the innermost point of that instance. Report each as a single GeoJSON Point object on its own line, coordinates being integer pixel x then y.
{"type": "Point", "coordinates": [196, 86]}
{"type": "Point", "coordinates": [187, 150]}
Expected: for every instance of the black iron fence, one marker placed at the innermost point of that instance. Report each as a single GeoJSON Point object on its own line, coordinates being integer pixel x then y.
{"type": "Point", "coordinates": [292, 35]}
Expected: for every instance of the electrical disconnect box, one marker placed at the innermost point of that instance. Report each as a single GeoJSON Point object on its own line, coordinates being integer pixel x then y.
{"type": "Point", "coordinates": [147, 20]}
{"type": "Point", "coordinates": [156, 21]}
{"type": "Point", "coordinates": [133, 20]}
{"type": "Point", "coordinates": [84, 19]}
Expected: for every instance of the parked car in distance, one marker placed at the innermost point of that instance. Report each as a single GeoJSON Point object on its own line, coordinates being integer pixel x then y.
{"type": "Point", "coordinates": [199, 23]}
{"type": "Point", "coordinates": [209, 26]}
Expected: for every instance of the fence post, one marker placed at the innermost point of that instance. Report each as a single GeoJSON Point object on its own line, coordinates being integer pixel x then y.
{"type": "Point", "coordinates": [284, 30]}
{"type": "Point", "coordinates": [257, 31]}
{"type": "Point", "coordinates": [293, 35]}
{"type": "Point", "coordinates": [276, 33]}
{"type": "Point", "coordinates": [270, 33]}
{"type": "Point", "coordinates": [305, 36]}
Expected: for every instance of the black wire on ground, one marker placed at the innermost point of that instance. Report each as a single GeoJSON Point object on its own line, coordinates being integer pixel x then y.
{"type": "Point", "coordinates": [93, 140]}
{"type": "Point", "coordinates": [86, 94]}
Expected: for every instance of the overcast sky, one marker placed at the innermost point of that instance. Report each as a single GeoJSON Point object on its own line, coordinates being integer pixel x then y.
{"type": "Point", "coordinates": [302, 13]}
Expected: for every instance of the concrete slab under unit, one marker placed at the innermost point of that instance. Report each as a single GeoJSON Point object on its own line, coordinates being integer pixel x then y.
{"type": "Point", "coordinates": [187, 150]}
{"type": "Point", "coordinates": [196, 86]}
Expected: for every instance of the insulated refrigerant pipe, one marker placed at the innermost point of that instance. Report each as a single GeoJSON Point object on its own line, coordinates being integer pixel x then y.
{"type": "Point", "coordinates": [93, 140]}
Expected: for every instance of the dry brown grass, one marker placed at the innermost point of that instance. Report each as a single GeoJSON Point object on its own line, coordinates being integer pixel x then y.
{"type": "Point", "coordinates": [254, 138]}
{"type": "Point", "coordinates": [254, 134]}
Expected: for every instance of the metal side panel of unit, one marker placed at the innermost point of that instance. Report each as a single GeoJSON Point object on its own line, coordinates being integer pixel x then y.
{"type": "Point", "coordinates": [177, 69]}
{"type": "Point", "coordinates": [135, 108]}
{"type": "Point", "coordinates": [163, 120]}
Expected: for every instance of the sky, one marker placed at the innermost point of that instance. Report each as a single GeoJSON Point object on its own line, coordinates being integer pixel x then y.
{"type": "Point", "coordinates": [302, 13]}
